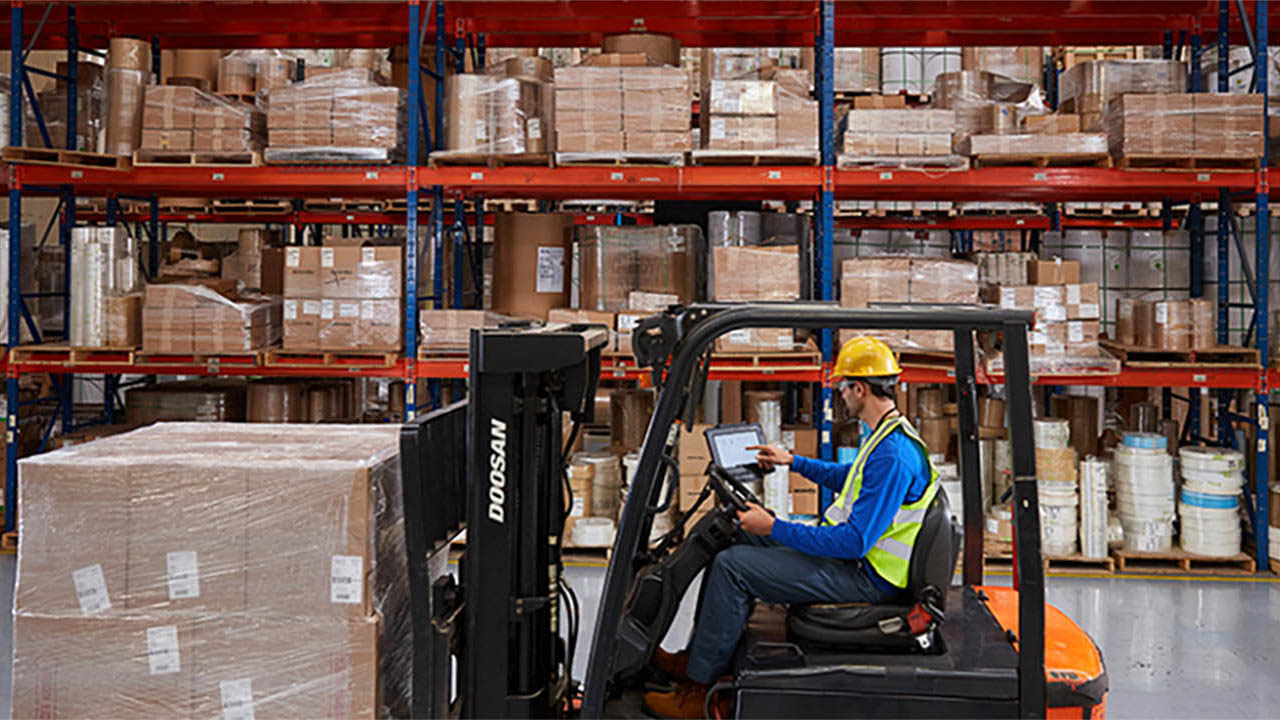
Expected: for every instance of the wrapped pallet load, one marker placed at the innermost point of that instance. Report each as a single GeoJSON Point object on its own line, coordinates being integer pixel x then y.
{"type": "Point", "coordinates": [343, 298]}
{"type": "Point", "coordinates": [205, 569]}
{"type": "Point", "coordinates": [506, 112]}
{"type": "Point", "coordinates": [338, 117]}
{"type": "Point", "coordinates": [90, 90]}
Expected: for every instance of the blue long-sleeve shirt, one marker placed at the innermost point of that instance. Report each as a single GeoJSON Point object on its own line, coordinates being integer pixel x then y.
{"type": "Point", "coordinates": [895, 474]}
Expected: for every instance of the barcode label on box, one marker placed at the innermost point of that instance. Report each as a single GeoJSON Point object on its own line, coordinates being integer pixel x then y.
{"type": "Point", "coordinates": [628, 322]}
{"type": "Point", "coordinates": [290, 309]}
{"type": "Point", "coordinates": [579, 508]}
{"type": "Point", "coordinates": [368, 255]}
{"type": "Point", "coordinates": [346, 579]}
{"type": "Point", "coordinates": [326, 309]}
{"type": "Point", "coordinates": [534, 128]}
{"type": "Point", "coordinates": [1089, 311]}
{"type": "Point", "coordinates": [1008, 298]}
{"type": "Point", "coordinates": [91, 589]}
{"type": "Point", "coordinates": [293, 256]}
{"type": "Point", "coordinates": [1053, 313]}
{"type": "Point", "coordinates": [184, 574]}
{"type": "Point", "coordinates": [1047, 296]}
{"type": "Point", "coordinates": [162, 650]}
{"type": "Point", "coordinates": [717, 128]}
{"type": "Point", "coordinates": [1075, 332]}
{"type": "Point", "coordinates": [237, 699]}
{"type": "Point", "coordinates": [740, 337]}
{"type": "Point", "coordinates": [1162, 313]}
{"type": "Point", "coordinates": [310, 307]}
{"type": "Point", "coordinates": [326, 257]}
{"type": "Point", "coordinates": [550, 269]}
{"type": "Point", "coordinates": [349, 310]}
{"type": "Point", "coordinates": [1073, 294]}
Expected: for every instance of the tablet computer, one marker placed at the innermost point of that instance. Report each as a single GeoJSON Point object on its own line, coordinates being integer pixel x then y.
{"type": "Point", "coordinates": [729, 443]}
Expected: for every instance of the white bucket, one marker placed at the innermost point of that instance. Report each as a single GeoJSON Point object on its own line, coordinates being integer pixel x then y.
{"type": "Point", "coordinates": [592, 532]}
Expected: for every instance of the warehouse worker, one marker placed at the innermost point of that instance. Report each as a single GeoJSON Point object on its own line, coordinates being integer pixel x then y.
{"type": "Point", "coordinates": [860, 553]}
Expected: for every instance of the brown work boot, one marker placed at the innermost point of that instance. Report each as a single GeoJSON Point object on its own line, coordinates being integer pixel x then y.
{"type": "Point", "coordinates": [673, 665]}
{"type": "Point", "coordinates": [688, 700]}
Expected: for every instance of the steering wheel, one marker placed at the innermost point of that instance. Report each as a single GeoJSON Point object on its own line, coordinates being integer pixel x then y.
{"type": "Point", "coordinates": [729, 489]}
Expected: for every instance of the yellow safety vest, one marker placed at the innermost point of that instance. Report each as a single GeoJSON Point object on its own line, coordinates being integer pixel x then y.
{"type": "Point", "coordinates": [891, 554]}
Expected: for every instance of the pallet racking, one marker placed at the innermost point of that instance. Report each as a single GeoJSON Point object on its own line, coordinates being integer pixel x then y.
{"type": "Point", "coordinates": [474, 24]}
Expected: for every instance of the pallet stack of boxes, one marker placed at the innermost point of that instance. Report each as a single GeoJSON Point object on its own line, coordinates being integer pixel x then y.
{"type": "Point", "coordinates": [185, 119]}
{"type": "Point", "coordinates": [208, 318]}
{"type": "Point", "coordinates": [622, 103]}
{"type": "Point", "coordinates": [343, 298]}
{"type": "Point", "coordinates": [197, 569]}
{"type": "Point", "coordinates": [901, 132]}
{"type": "Point", "coordinates": [1067, 311]}
{"type": "Point", "coordinates": [865, 282]}
{"type": "Point", "coordinates": [749, 104]}
{"type": "Point", "coordinates": [343, 116]}
{"type": "Point", "coordinates": [507, 111]}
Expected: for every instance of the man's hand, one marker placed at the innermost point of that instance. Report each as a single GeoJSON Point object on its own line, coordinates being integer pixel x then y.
{"type": "Point", "coordinates": [769, 456]}
{"type": "Point", "coordinates": [755, 520]}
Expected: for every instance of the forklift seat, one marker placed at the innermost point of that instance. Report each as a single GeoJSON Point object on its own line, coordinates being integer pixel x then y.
{"type": "Point", "coordinates": [888, 626]}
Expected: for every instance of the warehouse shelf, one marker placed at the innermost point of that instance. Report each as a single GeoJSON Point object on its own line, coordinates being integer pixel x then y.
{"type": "Point", "coordinates": [630, 182]}
{"type": "Point", "coordinates": [322, 217]}
{"type": "Point", "coordinates": [581, 23]}
{"type": "Point", "coordinates": [927, 221]}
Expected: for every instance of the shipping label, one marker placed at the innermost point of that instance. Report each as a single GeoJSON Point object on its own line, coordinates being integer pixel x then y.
{"type": "Point", "coordinates": [346, 579]}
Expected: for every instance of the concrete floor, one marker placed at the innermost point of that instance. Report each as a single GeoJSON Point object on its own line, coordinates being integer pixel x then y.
{"type": "Point", "coordinates": [1174, 648]}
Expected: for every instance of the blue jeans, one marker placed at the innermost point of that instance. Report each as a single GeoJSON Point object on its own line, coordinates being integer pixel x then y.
{"type": "Point", "coordinates": [759, 567]}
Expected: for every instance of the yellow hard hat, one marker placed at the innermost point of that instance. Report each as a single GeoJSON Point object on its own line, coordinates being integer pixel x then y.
{"type": "Point", "coordinates": [865, 356]}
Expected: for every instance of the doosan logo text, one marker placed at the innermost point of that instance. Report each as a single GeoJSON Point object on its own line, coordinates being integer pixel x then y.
{"type": "Point", "coordinates": [497, 469]}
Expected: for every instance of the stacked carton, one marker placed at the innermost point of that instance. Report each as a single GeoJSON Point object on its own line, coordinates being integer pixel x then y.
{"type": "Point", "coordinates": [244, 72]}
{"type": "Point", "coordinates": [53, 110]}
{"type": "Point", "coordinates": [450, 330]}
{"type": "Point", "coordinates": [343, 298]}
{"type": "Point", "coordinates": [193, 318]}
{"type": "Point", "coordinates": [507, 112]}
{"type": "Point", "coordinates": [620, 103]}
{"type": "Point", "coordinates": [751, 274]}
{"type": "Point", "coordinates": [897, 133]}
{"type": "Point", "coordinates": [614, 262]}
{"type": "Point", "coordinates": [1067, 311]}
{"type": "Point", "coordinates": [866, 281]}
{"type": "Point", "coordinates": [180, 118]}
{"type": "Point", "coordinates": [750, 103]}
{"type": "Point", "coordinates": [1185, 125]}
{"type": "Point", "coordinates": [1089, 88]}
{"type": "Point", "coordinates": [336, 117]}
{"type": "Point", "coordinates": [203, 569]}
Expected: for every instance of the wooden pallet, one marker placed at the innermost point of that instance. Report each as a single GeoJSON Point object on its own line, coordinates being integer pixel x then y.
{"type": "Point", "coordinates": [1217, 356]}
{"type": "Point", "coordinates": [64, 353]}
{"type": "Point", "coordinates": [909, 162]}
{"type": "Point", "coordinates": [1078, 563]}
{"type": "Point", "coordinates": [621, 159]}
{"type": "Point", "coordinates": [530, 206]}
{"type": "Point", "coordinates": [203, 158]}
{"type": "Point", "coordinates": [9, 542]}
{"type": "Point", "coordinates": [75, 158]}
{"type": "Point", "coordinates": [341, 205]}
{"type": "Point", "coordinates": [251, 206]}
{"type": "Point", "coordinates": [402, 205]}
{"type": "Point", "coordinates": [1177, 561]}
{"type": "Point", "coordinates": [754, 157]}
{"type": "Point", "coordinates": [1091, 159]}
{"type": "Point", "coordinates": [1107, 211]}
{"type": "Point", "coordinates": [331, 358]}
{"type": "Point", "coordinates": [211, 361]}
{"type": "Point", "coordinates": [1183, 162]}
{"type": "Point", "coordinates": [927, 358]}
{"type": "Point", "coordinates": [492, 160]}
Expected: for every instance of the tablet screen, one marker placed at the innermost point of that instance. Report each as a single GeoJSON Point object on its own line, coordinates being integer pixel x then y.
{"type": "Point", "coordinates": [730, 448]}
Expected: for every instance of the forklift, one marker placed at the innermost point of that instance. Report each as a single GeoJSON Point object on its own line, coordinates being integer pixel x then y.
{"type": "Point", "coordinates": [495, 465]}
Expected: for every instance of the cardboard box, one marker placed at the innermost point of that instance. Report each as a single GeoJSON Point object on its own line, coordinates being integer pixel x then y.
{"type": "Point", "coordinates": [730, 401]}
{"type": "Point", "coordinates": [381, 323]}
{"type": "Point", "coordinates": [1228, 125]}
{"type": "Point", "coordinates": [222, 114]}
{"type": "Point", "coordinates": [797, 83]}
{"type": "Point", "coordinates": [123, 314]}
{"type": "Point", "coordinates": [226, 141]}
{"type": "Point", "coordinates": [755, 273]}
{"type": "Point", "coordinates": [804, 495]}
{"type": "Point", "coordinates": [1056, 338]}
{"type": "Point", "coordinates": [1054, 124]}
{"type": "Point", "coordinates": [910, 145]}
{"type": "Point", "coordinates": [1083, 301]}
{"type": "Point", "coordinates": [286, 137]}
{"type": "Point", "coordinates": [796, 126]}
{"type": "Point", "coordinates": [1053, 272]}
{"type": "Point", "coordinates": [937, 143]}
{"type": "Point", "coordinates": [752, 340]}
{"type": "Point", "coordinates": [176, 140]}
{"type": "Point", "coordinates": [588, 110]}
{"type": "Point", "coordinates": [1151, 125]}
{"type": "Point", "coordinates": [589, 78]}
{"type": "Point", "coordinates": [611, 141]}
{"type": "Point", "coordinates": [302, 273]}
{"type": "Point", "coordinates": [740, 97]}
{"type": "Point", "coordinates": [442, 330]}
{"type": "Point", "coordinates": [301, 323]}
{"type": "Point", "coordinates": [691, 489]}
{"type": "Point", "coordinates": [625, 324]}
{"type": "Point", "coordinates": [300, 107]}
{"type": "Point", "coordinates": [693, 453]}
{"type": "Point", "coordinates": [336, 329]}
{"type": "Point", "coordinates": [169, 107]}
{"type": "Point", "coordinates": [657, 142]}
{"type": "Point", "coordinates": [373, 272]}
{"type": "Point", "coordinates": [879, 102]}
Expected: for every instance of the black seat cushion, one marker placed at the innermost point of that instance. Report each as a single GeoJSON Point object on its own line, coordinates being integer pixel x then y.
{"type": "Point", "coordinates": [845, 616]}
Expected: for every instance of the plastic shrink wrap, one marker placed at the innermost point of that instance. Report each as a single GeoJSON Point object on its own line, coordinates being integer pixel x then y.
{"type": "Point", "coordinates": [194, 570]}
{"type": "Point", "coordinates": [340, 117]}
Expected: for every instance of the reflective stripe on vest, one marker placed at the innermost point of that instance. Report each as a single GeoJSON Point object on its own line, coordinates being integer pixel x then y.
{"type": "Point", "coordinates": [891, 554]}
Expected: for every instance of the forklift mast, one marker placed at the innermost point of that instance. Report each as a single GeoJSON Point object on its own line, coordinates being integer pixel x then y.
{"type": "Point", "coordinates": [521, 382]}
